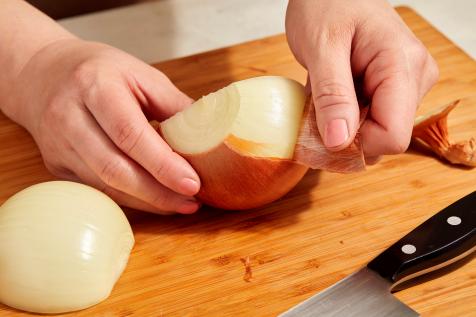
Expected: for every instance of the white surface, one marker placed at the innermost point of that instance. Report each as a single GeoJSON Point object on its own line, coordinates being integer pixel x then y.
{"type": "Point", "coordinates": [165, 29]}
{"type": "Point", "coordinates": [454, 221]}
{"type": "Point", "coordinates": [408, 249]}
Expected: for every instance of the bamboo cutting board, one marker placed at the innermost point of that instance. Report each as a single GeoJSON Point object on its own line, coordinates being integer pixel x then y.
{"type": "Point", "coordinates": [324, 229]}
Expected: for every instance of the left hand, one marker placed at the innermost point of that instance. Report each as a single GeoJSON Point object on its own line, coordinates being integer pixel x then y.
{"type": "Point", "coordinates": [85, 104]}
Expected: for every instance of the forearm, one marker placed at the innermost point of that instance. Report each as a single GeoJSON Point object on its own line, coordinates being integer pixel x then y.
{"type": "Point", "coordinates": [23, 32]}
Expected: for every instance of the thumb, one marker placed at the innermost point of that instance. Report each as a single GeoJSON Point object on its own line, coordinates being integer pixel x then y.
{"type": "Point", "coordinates": [337, 110]}
{"type": "Point", "coordinates": [163, 98]}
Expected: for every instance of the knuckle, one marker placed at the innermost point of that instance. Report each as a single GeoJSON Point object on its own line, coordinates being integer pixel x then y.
{"type": "Point", "coordinates": [163, 170]}
{"type": "Point", "coordinates": [329, 92]}
{"type": "Point", "coordinates": [337, 33]}
{"type": "Point", "coordinates": [112, 172]}
{"type": "Point", "coordinates": [91, 77]}
{"type": "Point", "coordinates": [54, 113]}
{"type": "Point", "coordinates": [433, 70]}
{"type": "Point", "coordinates": [417, 53]}
{"type": "Point", "coordinates": [388, 64]}
{"type": "Point", "coordinates": [58, 122]}
{"type": "Point", "coordinates": [85, 74]}
{"type": "Point", "coordinates": [392, 58]}
{"type": "Point", "coordinates": [127, 135]}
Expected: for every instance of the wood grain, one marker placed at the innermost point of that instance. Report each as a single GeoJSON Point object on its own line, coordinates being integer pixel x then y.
{"type": "Point", "coordinates": [324, 229]}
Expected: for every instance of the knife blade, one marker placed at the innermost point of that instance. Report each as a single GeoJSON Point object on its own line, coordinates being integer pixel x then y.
{"type": "Point", "coordinates": [446, 237]}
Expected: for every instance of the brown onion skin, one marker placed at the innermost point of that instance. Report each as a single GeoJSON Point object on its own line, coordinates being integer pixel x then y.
{"type": "Point", "coordinates": [233, 181]}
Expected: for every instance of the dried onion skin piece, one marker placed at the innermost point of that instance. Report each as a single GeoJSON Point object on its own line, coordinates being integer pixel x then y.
{"type": "Point", "coordinates": [432, 130]}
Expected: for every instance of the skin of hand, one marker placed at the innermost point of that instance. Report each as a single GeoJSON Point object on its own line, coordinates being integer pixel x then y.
{"type": "Point", "coordinates": [356, 50]}
{"type": "Point", "coordinates": [85, 104]}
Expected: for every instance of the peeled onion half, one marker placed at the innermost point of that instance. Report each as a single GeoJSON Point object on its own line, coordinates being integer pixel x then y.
{"type": "Point", "coordinates": [63, 246]}
{"type": "Point", "coordinates": [242, 141]}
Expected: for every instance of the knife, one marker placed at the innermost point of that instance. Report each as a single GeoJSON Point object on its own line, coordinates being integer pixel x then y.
{"type": "Point", "coordinates": [445, 238]}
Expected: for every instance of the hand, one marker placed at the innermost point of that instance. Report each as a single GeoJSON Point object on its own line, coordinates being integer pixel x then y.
{"type": "Point", "coordinates": [360, 49]}
{"type": "Point", "coordinates": [84, 104]}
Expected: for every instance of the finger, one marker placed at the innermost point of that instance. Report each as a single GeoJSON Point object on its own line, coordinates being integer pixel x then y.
{"type": "Point", "coordinates": [85, 175]}
{"type": "Point", "coordinates": [120, 116]}
{"type": "Point", "coordinates": [337, 110]}
{"type": "Point", "coordinates": [88, 178]}
{"type": "Point", "coordinates": [163, 98]}
{"type": "Point", "coordinates": [388, 130]}
{"type": "Point", "coordinates": [120, 172]}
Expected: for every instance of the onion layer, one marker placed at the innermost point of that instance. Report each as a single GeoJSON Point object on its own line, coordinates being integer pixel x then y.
{"type": "Point", "coordinates": [432, 130]}
{"type": "Point", "coordinates": [252, 141]}
{"type": "Point", "coordinates": [63, 246]}
{"type": "Point", "coordinates": [241, 141]}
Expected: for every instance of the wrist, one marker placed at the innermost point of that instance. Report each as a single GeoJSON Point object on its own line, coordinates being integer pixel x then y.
{"type": "Point", "coordinates": [25, 32]}
{"type": "Point", "coordinates": [10, 80]}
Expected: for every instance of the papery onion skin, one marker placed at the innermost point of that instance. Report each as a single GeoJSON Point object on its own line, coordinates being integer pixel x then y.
{"type": "Point", "coordinates": [432, 130]}
{"type": "Point", "coordinates": [63, 245]}
{"type": "Point", "coordinates": [234, 181]}
{"type": "Point", "coordinates": [311, 151]}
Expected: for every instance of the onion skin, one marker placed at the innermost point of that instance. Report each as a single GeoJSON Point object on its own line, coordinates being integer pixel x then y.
{"type": "Point", "coordinates": [234, 181]}
{"type": "Point", "coordinates": [311, 151]}
{"type": "Point", "coordinates": [432, 130]}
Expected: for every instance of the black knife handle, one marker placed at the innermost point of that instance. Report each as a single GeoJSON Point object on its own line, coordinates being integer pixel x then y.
{"type": "Point", "coordinates": [441, 240]}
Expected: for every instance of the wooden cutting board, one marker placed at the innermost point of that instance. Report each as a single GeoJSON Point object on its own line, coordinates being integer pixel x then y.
{"type": "Point", "coordinates": [324, 229]}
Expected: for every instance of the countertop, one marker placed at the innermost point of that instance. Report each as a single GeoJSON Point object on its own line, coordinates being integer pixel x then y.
{"type": "Point", "coordinates": [166, 29]}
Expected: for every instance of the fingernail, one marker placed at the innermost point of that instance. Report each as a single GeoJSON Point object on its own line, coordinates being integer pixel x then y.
{"type": "Point", "coordinates": [336, 133]}
{"type": "Point", "coordinates": [188, 207]}
{"type": "Point", "coordinates": [189, 186]}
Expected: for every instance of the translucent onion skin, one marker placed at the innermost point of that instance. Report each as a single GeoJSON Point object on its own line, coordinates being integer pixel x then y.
{"type": "Point", "coordinates": [63, 246]}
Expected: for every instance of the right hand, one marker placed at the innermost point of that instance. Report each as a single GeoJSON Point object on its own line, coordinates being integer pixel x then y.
{"type": "Point", "coordinates": [84, 105]}
{"type": "Point", "coordinates": [363, 49]}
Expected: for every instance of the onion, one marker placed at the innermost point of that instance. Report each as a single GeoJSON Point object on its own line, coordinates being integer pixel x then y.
{"type": "Point", "coordinates": [250, 142]}
{"type": "Point", "coordinates": [63, 246]}
{"type": "Point", "coordinates": [432, 130]}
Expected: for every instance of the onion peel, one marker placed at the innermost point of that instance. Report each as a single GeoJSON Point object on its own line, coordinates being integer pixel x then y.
{"type": "Point", "coordinates": [311, 151]}
{"type": "Point", "coordinates": [238, 190]}
{"type": "Point", "coordinates": [432, 130]}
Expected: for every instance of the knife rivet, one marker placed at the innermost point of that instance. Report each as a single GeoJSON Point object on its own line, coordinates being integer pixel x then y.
{"type": "Point", "coordinates": [408, 249]}
{"type": "Point", "coordinates": [453, 220]}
